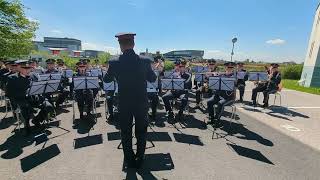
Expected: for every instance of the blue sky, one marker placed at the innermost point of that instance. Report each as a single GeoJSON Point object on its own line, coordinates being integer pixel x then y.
{"type": "Point", "coordinates": [268, 30]}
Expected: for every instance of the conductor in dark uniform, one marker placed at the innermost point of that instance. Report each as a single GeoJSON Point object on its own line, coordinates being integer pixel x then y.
{"type": "Point", "coordinates": [132, 73]}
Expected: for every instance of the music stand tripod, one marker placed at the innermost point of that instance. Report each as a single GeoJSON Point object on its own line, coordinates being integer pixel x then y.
{"type": "Point", "coordinates": [85, 84]}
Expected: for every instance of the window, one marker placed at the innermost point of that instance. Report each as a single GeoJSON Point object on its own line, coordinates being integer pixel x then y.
{"type": "Point", "coordinates": [311, 49]}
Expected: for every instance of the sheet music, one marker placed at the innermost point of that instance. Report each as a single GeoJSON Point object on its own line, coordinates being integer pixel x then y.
{"type": "Point", "coordinates": [263, 76]}
{"type": "Point", "coordinates": [214, 83]}
{"type": "Point", "coordinates": [241, 75]}
{"type": "Point", "coordinates": [93, 72]}
{"type": "Point", "coordinates": [166, 84]}
{"type": "Point", "coordinates": [168, 74]}
{"type": "Point", "coordinates": [152, 85]}
{"type": "Point", "coordinates": [92, 83]}
{"type": "Point", "coordinates": [205, 69]}
{"type": "Point", "coordinates": [79, 83]}
{"type": "Point", "coordinates": [112, 86]}
{"type": "Point", "coordinates": [52, 86]}
{"type": "Point", "coordinates": [199, 77]}
{"type": "Point", "coordinates": [68, 73]}
{"type": "Point", "coordinates": [228, 84]}
{"type": "Point", "coordinates": [44, 77]}
{"type": "Point", "coordinates": [37, 87]}
{"type": "Point", "coordinates": [178, 84]}
{"type": "Point", "coordinates": [56, 76]}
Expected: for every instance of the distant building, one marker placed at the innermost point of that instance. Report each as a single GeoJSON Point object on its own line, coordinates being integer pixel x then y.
{"type": "Point", "coordinates": [90, 53]}
{"type": "Point", "coordinates": [311, 70]}
{"type": "Point", "coordinates": [188, 54]}
{"type": "Point", "coordinates": [65, 44]}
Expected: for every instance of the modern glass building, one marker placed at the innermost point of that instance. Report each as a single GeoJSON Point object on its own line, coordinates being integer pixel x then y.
{"type": "Point", "coordinates": [310, 76]}
{"type": "Point", "coordinates": [188, 54]}
{"type": "Point", "coordinates": [69, 44]}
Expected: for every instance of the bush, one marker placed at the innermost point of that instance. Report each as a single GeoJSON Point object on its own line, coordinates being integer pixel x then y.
{"type": "Point", "coordinates": [168, 65]}
{"type": "Point", "coordinates": [291, 71]}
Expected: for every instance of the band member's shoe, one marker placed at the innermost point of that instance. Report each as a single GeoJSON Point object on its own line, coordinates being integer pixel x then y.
{"type": "Point", "coordinates": [253, 103]}
{"type": "Point", "coordinates": [265, 105]}
{"type": "Point", "coordinates": [211, 120]}
{"type": "Point", "coordinates": [180, 116]}
{"type": "Point", "coordinates": [170, 116]}
{"type": "Point", "coordinates": [241, 100]}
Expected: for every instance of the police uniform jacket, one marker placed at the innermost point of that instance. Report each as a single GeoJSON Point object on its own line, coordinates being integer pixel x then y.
{"type": "Point", "coordinates": [132, 73]}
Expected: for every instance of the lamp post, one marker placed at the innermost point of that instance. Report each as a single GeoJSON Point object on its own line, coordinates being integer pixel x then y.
{"type": "Point", "coordinates": [234, 40]}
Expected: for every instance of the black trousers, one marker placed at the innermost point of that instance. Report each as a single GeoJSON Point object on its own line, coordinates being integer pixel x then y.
{"type": "Point", "coordinates": [110, 99]}
{"type": "Point", "coordinates": [201, 90]}
{"type": "Point", "coordinates": [266, 92]}
{"type": "Point", "coordinates": [84, 97]}
{"type": "Point", "coordinates": [170, 95]}
{"type": "Point", "coordinates": [139, 113]}
{"type": "Point", "coordinates": [154, 101]}
{"type": "Point", "coordinates": [27, 108]}
{"type": "Point", "coordinates": [241, 88]}
{"type": "Point", "coordinates": [220, 102]}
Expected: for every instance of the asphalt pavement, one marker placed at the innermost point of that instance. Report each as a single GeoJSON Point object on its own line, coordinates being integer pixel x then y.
{"type": "Point", "coordinates": [248, 149]}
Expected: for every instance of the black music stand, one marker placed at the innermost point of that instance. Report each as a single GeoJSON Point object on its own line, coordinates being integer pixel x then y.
{"type": "Point", "coordinates": [85, 83]}
{"type": "Point", "coordinates": [258, 76]}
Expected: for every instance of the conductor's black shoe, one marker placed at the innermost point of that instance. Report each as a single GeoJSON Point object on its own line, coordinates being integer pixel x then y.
{"type": "Point", "coordinates": [253, 103]}
{"type": "Point", "coordinates": [241, 100]}
{"type": "Point", "coordinates": [139, 162]}
{"type": "Point", "coordinates": [265, 105]}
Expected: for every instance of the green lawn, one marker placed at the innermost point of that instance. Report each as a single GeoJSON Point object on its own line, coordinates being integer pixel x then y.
{"type": "Point", "coordinates": [293, 84]}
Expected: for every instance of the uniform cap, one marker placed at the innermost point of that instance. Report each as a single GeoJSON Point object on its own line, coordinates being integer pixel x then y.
{"type": "Point", "coordinates": [127, 35]}
{"type": "Point", "coordinates": [229, 64]}
{"type": "Point", "coordinates": [23, 63]}
{"type": "Point", "coordinates": [50, 61]}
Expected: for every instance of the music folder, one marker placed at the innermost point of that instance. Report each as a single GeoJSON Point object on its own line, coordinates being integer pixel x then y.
{"type": "Point", "coordinates": [227, 84]}
{"type": "Point", "coordinates": [68, 73]}
{"type": "Point", "coordinates": [199, 77]}
{"type": "Point", "coordinates": [37, 88]}
{"type": "Point", "coordinates": [178, 84]}
{"type": "Point", "coordinates": [81, 83]}
{"type": "Point", "coordinates": [111, 86]}
{"type": "Point", "coordinates": [167, 84]}
{"type": "Point", "coordinates": [241, 75]}
{"type": "Point", "coordinates": [258, 76]}
{"type": "Point", "coordinates": [214, 83]}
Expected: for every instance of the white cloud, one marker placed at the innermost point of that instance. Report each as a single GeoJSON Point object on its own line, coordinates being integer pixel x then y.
{"type": "Point", "coordinates": [276, 41]}
{"type": "Point", "coordinates": [56, 31]}
{"type": "Point", "coordinates": [33, 20]}
{"type": "Point", "coordinates": [100, 47]}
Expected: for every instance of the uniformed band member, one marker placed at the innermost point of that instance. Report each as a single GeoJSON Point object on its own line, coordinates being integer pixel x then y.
{"type": "Point", "coordinates": [35, 66]}
{"type": "Point", "coordinates": [83, 97]}
{"type": "Point", "coordinates": [241, 83]}
{"type": "Point", "coordinates": [11, 69]}
{"type": "Point", "coordinates": [16, 91]}
{"type": "Point", "coordinates": [183, 94]}
{"type": "Point", "coordinates": [131, 72]}
{"type": "Point", "coordinates": [221, 98]}
{"type": "Point", "coordinates": [203, 88]}
{"type": "Point", "coordinates": [269, 87]}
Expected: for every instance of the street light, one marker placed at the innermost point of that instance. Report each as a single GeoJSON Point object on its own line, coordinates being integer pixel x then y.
{"type": "Point", "coordinates": [234, 40]}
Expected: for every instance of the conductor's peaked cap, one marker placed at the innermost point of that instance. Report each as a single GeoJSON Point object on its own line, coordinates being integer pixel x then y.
{"type": "Point", "coordinates": [122, 36]}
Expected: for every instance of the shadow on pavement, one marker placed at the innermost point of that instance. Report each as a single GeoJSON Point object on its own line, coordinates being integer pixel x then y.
{"type": "Point", "coordinates": [83, 126]}
{"type": "Point", "coordinates": [250, 153]}
{"type": "Point", "coordinates": [235, 128]}
{"type": "Point", "coordinates": [153, 162]}
{"type": "Point", "coordinates": [188, 139]}
{"type": "Point", "coordinates": [7, 122]}
{"type": "Point", "coordinates": [88, 141]}
{"type": "Point", "coordinates": [39, 157]}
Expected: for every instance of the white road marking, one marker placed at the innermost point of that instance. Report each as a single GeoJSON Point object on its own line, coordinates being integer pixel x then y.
{"type": "Point", "coordinates": [290, 128]}
{"type": "Point", "coordinates": [303, 107]}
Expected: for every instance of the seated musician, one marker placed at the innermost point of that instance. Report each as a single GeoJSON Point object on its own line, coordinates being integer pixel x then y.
{"type": "Point", "coordinates": [63, 94]}
{"type": "Point", "coordinates": [153, 96]}
{"type": "Point", "coordinates": [51, 66]}
{"type": "Point", "coordinates": [269, 87]}
{"type": "Point", "coordinates": [183, 94]}
{"type": "Point", "coordinates": [203, 88]}
{"type": "Point", "coordinates": [221, 98]}
{"type": "Point", "coordinates": [83, 97]}
{"type": "Point", "coordinates": [35, 66]}
{"type": "Point", "coordinates": [241, 83]}
{"type": "Point", "coordinates": [17, 93]}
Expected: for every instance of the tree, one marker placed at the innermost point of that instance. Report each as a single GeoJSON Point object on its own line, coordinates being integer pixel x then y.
{"type": "Point", "coordinates": [16, 30]}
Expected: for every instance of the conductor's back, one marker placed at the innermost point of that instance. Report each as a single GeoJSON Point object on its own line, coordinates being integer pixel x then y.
{"type": "Point", "coordinates": [131, 73]}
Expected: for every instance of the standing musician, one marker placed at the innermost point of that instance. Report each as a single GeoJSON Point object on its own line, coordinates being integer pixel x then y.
{"type": "Point", "coordinates": [83, 97]}
{"type": "Point", "coordinates": [203, 88]}
{"type": "Point", "coordinates": [241, 83]}
{"type": "Point", "coordinates": [221, 98]}
{"type": "Point", "coordinates": [183, 94]}
{"type": "Point", "coordinates": [269, 87]}
{"type": "Point", "coordinates": [131, 72]}
{"type": "Point", "coordinates": [16, 91]}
